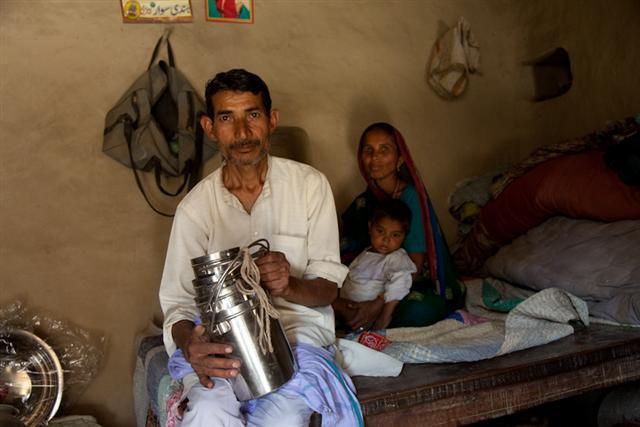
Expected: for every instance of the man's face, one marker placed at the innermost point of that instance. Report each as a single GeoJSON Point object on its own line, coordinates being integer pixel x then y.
{"type": "Point", "coordinates": [241, 127]}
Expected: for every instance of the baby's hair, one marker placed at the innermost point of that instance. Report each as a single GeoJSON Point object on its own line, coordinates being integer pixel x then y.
{"type": "Point", "coordinates": [394, 209]}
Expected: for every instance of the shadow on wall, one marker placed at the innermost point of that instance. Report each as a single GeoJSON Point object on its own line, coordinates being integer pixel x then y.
{"type": "Point", "coordinates": [365, 110]}
{"type": "Point", "coordinates": [290, 142]}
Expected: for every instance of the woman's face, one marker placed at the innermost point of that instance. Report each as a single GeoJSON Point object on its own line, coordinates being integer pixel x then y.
{"type": "Point", "coordinates": [379, 154]}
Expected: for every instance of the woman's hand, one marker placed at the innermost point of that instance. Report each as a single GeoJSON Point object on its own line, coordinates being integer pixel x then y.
{"type": "Point", "coordinates": [358, 314]}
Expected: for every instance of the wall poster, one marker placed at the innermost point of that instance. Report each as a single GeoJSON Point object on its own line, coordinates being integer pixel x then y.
{"type": "Point", "coordinates": [238, 11]}
{"type": "Point", "coordinates": [145, 11]}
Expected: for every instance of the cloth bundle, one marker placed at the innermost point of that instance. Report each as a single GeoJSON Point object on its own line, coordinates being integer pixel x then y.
{"type": "Point", "coordinates": [456, 54]}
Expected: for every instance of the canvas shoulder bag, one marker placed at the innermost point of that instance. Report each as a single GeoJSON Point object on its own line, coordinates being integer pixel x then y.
{"type": "Point", "coordinates": [155, 126]}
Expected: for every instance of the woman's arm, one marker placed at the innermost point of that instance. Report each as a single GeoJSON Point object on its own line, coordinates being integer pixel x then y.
{"type": "Point", "coordinates": [384, 318]}
{"type": "Point", "coordinates": [418, 259]}
{"type": "Point", "coordinates": [415, 241]}
{"type": "Point", "coordinates": [358, 314]}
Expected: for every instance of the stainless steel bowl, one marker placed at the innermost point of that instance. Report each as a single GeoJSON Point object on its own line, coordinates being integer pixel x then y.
{"type": "Point", "coordinates": [31, 378]}
{"type": "Point", "coordinates": [213, 264]}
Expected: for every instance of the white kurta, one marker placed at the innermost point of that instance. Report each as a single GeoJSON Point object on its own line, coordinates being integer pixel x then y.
{"type": "Point", "coordinates": [295, 212]}
{"type": "Point", "coordinates": [371, 274]}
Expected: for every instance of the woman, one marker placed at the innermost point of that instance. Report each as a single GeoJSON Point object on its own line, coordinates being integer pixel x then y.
{"type": "Point", "coordinates": [387, 167]}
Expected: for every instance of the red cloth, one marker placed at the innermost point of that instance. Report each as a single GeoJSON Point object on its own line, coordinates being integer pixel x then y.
{"type": "Point", "coordinates": [374, 340]}
{"type": "Point", "coordinates": [575, 186]}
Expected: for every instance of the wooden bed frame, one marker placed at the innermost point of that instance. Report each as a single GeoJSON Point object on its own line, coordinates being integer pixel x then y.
{"type": "Point", "coordinates": [455, 394]}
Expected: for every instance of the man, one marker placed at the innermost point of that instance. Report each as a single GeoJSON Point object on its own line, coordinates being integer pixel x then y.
{"type": "Point", "coordinates": [252, 195]}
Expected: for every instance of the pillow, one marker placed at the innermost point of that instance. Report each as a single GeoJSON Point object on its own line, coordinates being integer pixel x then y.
{"type": "Point", "coordinates": [575, 186]}
{"type": "Point", "coordinates": [592, 260]}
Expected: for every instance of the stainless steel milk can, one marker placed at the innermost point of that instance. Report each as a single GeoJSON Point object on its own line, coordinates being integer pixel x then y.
{"type": "Point", "coordinates": [231, 316]}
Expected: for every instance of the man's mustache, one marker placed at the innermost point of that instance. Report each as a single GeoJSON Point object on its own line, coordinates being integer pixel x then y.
{"type": "Point", "coordinates": [244, 143]}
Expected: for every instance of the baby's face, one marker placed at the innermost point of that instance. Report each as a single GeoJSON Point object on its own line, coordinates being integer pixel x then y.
{"type": "Point", "coordinates": [386, 235]}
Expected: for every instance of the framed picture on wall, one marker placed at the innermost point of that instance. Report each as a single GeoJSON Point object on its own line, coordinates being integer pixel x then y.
{"type": "Point", "coordinates": [156, 11]}
{"type": "Point", "coordinates": [236, 11]}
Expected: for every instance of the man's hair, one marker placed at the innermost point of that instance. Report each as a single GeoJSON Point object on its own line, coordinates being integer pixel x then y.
{"type": "Point", "coordinates": [237, 80]}
{"type": "Point", "coordinates": [394, 209]}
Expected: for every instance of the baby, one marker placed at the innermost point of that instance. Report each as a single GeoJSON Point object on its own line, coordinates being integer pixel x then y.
{"type": "Point", "coordinates": [384, 267]}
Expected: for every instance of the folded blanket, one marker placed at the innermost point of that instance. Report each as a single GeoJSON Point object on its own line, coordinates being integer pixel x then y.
{"type": "Point", "coordinates": [542, 318]}
{"type": "Point", "coordinates": [455, 55]}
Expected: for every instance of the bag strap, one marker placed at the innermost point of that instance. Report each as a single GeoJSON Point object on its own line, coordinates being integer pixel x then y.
{"type": "Point", "coordinates": [128, 132]}
{"type": "Point", "coordinates": [192, 168]}
{"type": "Point", "coordinates": [165, 37]}
{"type": "Point", "coordinates": [157, 170]}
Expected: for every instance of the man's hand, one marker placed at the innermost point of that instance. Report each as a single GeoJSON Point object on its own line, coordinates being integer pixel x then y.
{"type": "Point", "coordinates": [275, 276]}
{"type": "Point", "coordinates": [274, 273]}
{"type": "Point", "coordinates": [207, 359]}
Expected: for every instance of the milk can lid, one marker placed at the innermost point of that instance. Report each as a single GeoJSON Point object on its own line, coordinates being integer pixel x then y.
{"type": "Point", "coordinates": [216, 256]}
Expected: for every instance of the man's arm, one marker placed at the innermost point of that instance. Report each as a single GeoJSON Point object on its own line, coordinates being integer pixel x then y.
{"type": "Point", "coordinates": [323, 273]}
{"type": "Point", "coordinates": [323, 246]}
{"type": "Point", "coordinates": [188, 240]}
{"type": "Point", "coordinates": [311, 292]}
{"type": "Point", "coordinates": [275, 276]}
